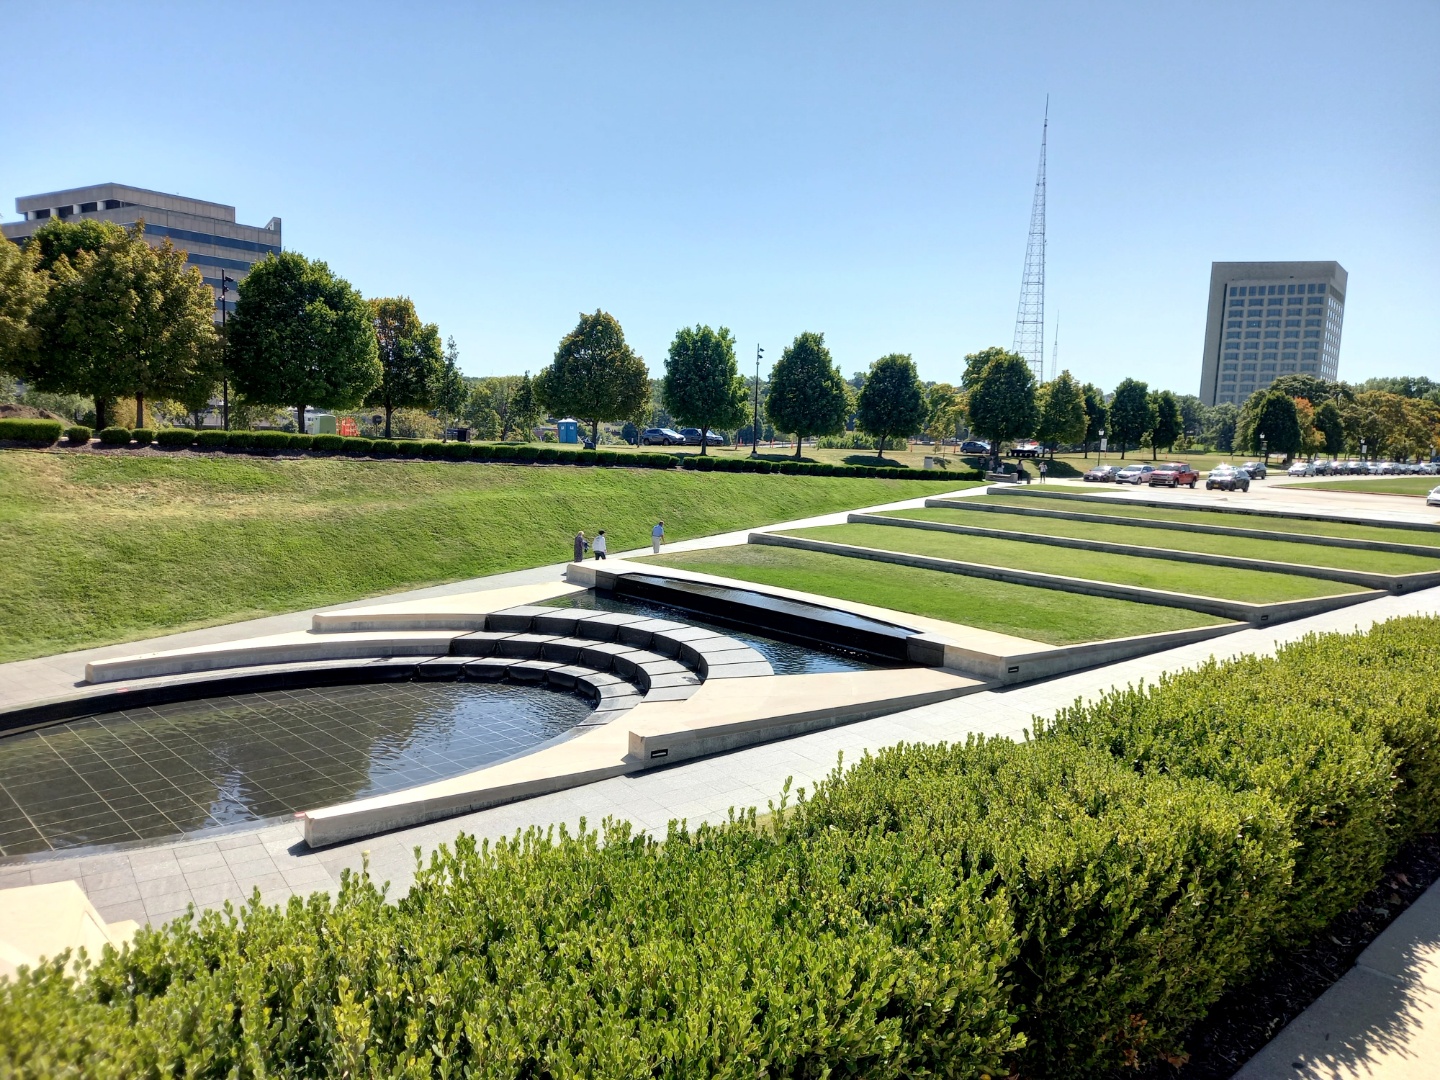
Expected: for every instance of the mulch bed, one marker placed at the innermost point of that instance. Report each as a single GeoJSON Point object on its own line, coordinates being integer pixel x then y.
{"type": "Point", "coordinates": [1247, 1018]}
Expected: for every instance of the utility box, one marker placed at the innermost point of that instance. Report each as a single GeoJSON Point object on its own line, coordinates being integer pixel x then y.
{"type": "Point", "coordinates": [320, 424]}
{"type": "Point", "coordinates": [568, 430]}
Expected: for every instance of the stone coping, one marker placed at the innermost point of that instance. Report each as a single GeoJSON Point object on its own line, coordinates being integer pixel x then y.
{"type": "Point", "coordinates": [39, 921]}
{"type": "Point", "coordinates": [1395, 583]}
{"type": "Point", "coordinates": [1177, 525]}
{"type": "Point", "coordinates": [1256, 614]}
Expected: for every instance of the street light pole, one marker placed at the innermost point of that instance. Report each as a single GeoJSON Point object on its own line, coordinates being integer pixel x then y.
{"type": "Point", "coordinates": [1263, 452]}
{"type": "Point", "coordinates": [755, 425]}
{"type": "Point", "coordinates": [225, 282]}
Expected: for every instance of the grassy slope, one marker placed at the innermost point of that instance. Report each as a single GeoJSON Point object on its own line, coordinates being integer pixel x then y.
{"type": "Point", "coordinates": [1418, 486]}
{"type": "Point", "coordinates": [96, 549]}
{"type": "Point", "coordinates": [1055, 618]}
{"type": "Point", "coordinates": [1120, 509]}
{"type": "Point", "coordinates": [1252, 586]}
{"type": "Point", "coordinates": [1380, 562]}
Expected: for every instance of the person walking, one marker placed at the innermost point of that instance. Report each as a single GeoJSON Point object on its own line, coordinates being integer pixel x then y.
{"type": "Point", "coordinates": [657, 534]}
{"type": "Point", "coordinates": [599, 546]}
{"type": "Point", "coordinates": [581, 544]}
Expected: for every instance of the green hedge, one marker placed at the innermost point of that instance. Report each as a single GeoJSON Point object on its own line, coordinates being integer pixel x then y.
{"type": "Point", "coordinates": [212, 440]}
{"type": "Point", "coordinates": [115, 436]}
{"type": "Point", "coordinates": [328, 443]}
{"type": "Point", "coordinates": [481, 451]}
{"type": "Point", "coordinates": [408, 448]}
{"type": "Point", "coordinates": [385, 448]}
{"type": "Point", "coordinates": [175, 437]}
{"type": "Point", "coordinates": [351, 444]}
{"type": "Point", "coordinates": [78, 435]}
{"type": "Point", "coordinates": [270, 440]}
{"type": "Point", "coordinates": [43, 432]}
{"type": "Point", "coordinates": [457, 451]}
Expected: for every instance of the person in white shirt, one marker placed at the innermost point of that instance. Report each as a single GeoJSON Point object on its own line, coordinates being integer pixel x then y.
{"type": "Point", "coordinates": [657, 534]}
{"type": "Point", "coordinates": [598, 547]}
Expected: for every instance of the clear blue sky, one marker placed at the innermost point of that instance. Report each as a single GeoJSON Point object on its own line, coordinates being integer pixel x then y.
{"type": "Point", "coordinates": [861, 170]}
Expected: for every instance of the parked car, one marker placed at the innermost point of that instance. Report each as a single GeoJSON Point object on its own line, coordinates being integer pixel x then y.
{"type": "Point", "coordinates": [1102, 474]}
{"type": "Point", "coordinates": [1227, 478]}
{"type": "Point", "coordinates": [661, 436]}
{"type": "Point", "coordinates": [1301, 468]}
{"type": "Point", "coordinates": [1026, 448]}
{"type": "Point", "coordinates": [1433, 499]}
{"type": "Point", "coordinates": [1174, 474]}
{"type": "Point", "coordinates": [974, 446]}
{"type": "Point", "coordinates": [692, 437]}
{"type": "Point", "coordinates": [1134, 474]}
{"type": "Point", "coordinates": [1256, 469]}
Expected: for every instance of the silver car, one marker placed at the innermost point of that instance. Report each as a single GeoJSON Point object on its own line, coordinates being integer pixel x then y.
{"type": "Point", "coordinates": [1134, 474]}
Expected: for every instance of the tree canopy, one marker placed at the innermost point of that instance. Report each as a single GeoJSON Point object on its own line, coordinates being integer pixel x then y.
{"type": "Point", "coordinates": [302, 336]}
{"type": "Point", "coordinates": [412, 362]}
{"type": "Point", "coordinates": [892, 401]}
{"type": "Point", "coordinates": [1097, 414]}
{"type": "Point", "coordinates": [22, 288]}
{"type": "Point", "coordinates": [1270, 413]}
{"type": "Point", "coordinates": [595, 375]}
{"type": "Point", "coordinates": [1000, 396]}
{"type": "Point", "coordinates": [451, 393]}
{"type": "Point", "coordinates": [1063, 419]}
{"type": "Point", "coordinates": [944, 411]}
{"type": "Point", "coordinates": [702, 385]}
{"type": "Point", "coordinates": [808, 395]}
{"type": "Point", "coordinates": [1331, 426]}
{"type": "Point", "coordinates": [1130, 414]}
{"type": "Point", "coordinates": [1166, 424]}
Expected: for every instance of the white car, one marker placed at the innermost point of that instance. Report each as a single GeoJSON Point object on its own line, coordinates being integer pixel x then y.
{"type": "Point", "coordinates": [1433, 499]}
{"type": "Point", "coordinates": [1301, 468]}
{"type": "Point", "coordinates": [1134, 474]}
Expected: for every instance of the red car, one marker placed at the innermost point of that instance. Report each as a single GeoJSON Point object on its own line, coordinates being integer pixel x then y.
{"type": "Point", "coordinates": [1173, 475]}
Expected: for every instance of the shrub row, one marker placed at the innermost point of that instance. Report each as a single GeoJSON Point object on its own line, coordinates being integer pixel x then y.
{"type": "Point", "coordinates": [1062, 907]}
{"type": "Point", "coordinates": [78, 435]}
{"type": "Point", "coordinates": [40, 432]}
{"type": "Point", "coordinates": [815, 468]}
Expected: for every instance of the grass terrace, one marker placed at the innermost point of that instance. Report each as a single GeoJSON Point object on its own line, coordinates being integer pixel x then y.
{"type": "Point", "coordinates": [1416, 486]}
{"type": "Point", "coordinates": [1224, 582]}
{"type": "Point", "coordinates": [1043, 615]}
{"type": "Point", "coordinates": [1379, 562]}
{"type": "Point", "coordinates": [1121, 508]}
{"type": "Point", "coordinates": [97, 549]}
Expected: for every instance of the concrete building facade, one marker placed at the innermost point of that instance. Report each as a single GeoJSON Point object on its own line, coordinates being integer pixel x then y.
{"type": "Point", "coordinates": [207, 232]}
{"type": "Point", "coordinates": [1268, 319]}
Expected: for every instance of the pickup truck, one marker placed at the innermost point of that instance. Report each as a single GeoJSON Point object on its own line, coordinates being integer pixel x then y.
{"type": "Point", "coordinates": [1173, 475]}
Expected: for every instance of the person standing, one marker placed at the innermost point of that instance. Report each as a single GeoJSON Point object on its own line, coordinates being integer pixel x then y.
{"type": "Point", "coordinates": [657, 534]}
{"type": "Point", "coordinates": [599, 546]}
{"type": "Point", "coordinates": [1043, 468]}
{"type": "Point", "coordinates": [581, 544]}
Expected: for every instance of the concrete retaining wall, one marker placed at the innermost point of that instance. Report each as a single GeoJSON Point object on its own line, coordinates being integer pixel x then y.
{"type": "Point", "coordinates": [1174, 525]}
{"type": "Point", "coordinates": [1255, 614]}
{"type": "Point", "coordinates": [1395, 583]}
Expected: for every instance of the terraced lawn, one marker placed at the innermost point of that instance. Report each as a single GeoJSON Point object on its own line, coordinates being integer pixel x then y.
{"type": "Point", "coordinates": [1418, 486]}
{"type": "Point", "coordinates": [1043, 615]}
{"type": "Point", "coordinates": [1378, 562]}
{"type": "Point", "coordinates": [1227, 583]}
{"type": "Point", "coordinates": [1120, 509]}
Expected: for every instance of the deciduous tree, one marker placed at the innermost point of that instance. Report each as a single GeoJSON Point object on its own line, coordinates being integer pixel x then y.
{"type": "Point", "coordinates": [1130, 414]}
{"type": "Point", "coordinates": [702, 385]}
{"type": "Point", "coordinates": [302, 336]}
{"type": "Point", "coordinates": [22, 288]}
{"type": "Point", "coordinates": [892, 401]}
{"type": "Point", "coordinates": [1063, 418]}
{"type": "Point", "coordinates": [1000, 396]}
{"type": "Point", "coordinates": [1271, 413]}
{"type": "Point", "coordinates": [595, 375]}
{"type": "Point", "coordinates": [944, 411]}
{"type": "Point", "coordinates": [1097, 414]}
{"type": "Point", "coordinates": [451, 393]}
{"type": "Point", "coordinates": [1166, 425]}
{"type": "Point", "coordinates": [1331, 427]}
{"type": "Point", "coordinates": [412, 361]}
{"type": "Point", "coordinates": [808, 396]}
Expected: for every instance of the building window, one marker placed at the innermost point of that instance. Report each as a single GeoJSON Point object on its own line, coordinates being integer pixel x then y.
{"type": "Point", "coordinates": [1232, 356]}
{"type": "Point", "coordinates": [1234, 291]}
{"type": "Point", "coordinates": [1287, 367]}
{"type": "Point", "coordinates": [1232, 335]}
{"type": "Point", "coordinates": [1252, 356]}
{"type": "Point", "coordinates": [1248, 366]}
{"type": "Point", "coordinates": [1272, 334]}
{"type": "Point", "coordinates": [87, 208]}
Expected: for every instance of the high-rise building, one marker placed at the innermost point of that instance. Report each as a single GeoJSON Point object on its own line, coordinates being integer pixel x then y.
{"type": "Point", "coordinates": [1268, 319]}
{"type": "Point", "coordinates": [207, 232]}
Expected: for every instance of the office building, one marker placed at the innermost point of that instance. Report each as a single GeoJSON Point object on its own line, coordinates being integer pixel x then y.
{"type": "Point", "coordinates": [207, 232]}
{"type": "Point", "coordinates": [1268, 319]}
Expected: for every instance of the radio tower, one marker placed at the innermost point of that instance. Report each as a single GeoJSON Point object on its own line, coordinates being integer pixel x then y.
{"type": "Point", "coordinates": [1030, 318]}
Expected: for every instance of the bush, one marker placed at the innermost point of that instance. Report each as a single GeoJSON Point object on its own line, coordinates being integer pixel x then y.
{"type": "Point", "coordinates": [175, 437]}
{"type": "Point", "coordinates": [481, 451]}
{"type": "Point", "coordinates": [39, 432]}
{"type": "Point", "coordinates": [503, 452]}
{"type": "Point", "coordinates": [662, 461]}
{"type": "Point", "coordinates": [409, 448]}
{"type": "Point", "coordinates": [704, 464]}
{"type": "Point", "coordinates": [356, 446]}
{"type": "Point", "coordinates": [143, 436]}
{"type": "Point", "coordinates": [386, 448]}
{"type": "Point", "coordinates": [789, 468]}
{"type": "Point", "coordinates": [211, 440]}
{"type": "Point", "coordinates": [270, 440]}
{"type": "Point", "coordinates": [567, 457]}
{"type": "Point", "coordinates": [548, 454]}
{"type": "Point", "coordinates": [299, 441]}
{"type": "Point", "coordinates": [526, 454]}
{"type": "Point", "coordinates": [329, 444]}
{"type": "Point", "coordinates": [115, 436]}
{"type": "Point", "coordinates": [457, 451]}
{"type": "Point", "coordinates": [432, 449]}
{"type": "Point", "coordinates": [241, 440]}
{"type": "Point", "coordinates": [605, 457]}
{"type": "Point", "coordinates": [78, 436]}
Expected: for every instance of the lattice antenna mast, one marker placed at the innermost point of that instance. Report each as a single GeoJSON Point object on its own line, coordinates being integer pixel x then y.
{"type": "Point", "coordinates": [1055, 353]}
{"type": "Point", "coordinates": [1030, 318]}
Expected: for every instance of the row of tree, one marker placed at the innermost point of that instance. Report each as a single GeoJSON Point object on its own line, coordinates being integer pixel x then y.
{"type": "Point", "coordinates": [92, 308]}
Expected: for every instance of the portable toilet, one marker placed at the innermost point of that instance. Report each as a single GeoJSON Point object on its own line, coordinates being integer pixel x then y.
{"type": "Point", "coordinates": [568, 430]}
{"type": "Point", "coordinates": [320, 424]}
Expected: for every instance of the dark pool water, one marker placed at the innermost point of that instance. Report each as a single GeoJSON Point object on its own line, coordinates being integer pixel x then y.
{"type": "Point", "coordinates": [786, 657]}
{"type": "Point", "coordinates": [177, 769]}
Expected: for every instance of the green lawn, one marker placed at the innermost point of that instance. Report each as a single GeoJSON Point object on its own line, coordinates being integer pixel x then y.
{"type": "Point", "coordinates": [1228, 583]}
{"type": "Point", "coordinates": [1044, 615]}
{"type": "Point", "coordinates": [1418, 486]}
{"type": "Point", "coordinates": [1119, 508]}
{"type": "Point", "coordinates": [1379, 562]}
{"type": "Point", "coordinates": [97, 549]}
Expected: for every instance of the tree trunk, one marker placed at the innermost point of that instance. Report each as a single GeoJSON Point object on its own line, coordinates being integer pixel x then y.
{"type": "Point", "coordinates": [704, 440]}
{"type": "Point", "coordinates": [880, 446]}
{"type": "Point", "coordinates": [140, 410]}
{"type": "Point", "coordinates": [300, 419]}
{"type": "Point", "coordinates": [100, 410]}
{"type": "Point", "coordinates": [798, 441]}
{"type": "Point", "coordinates": [388, 410]}
{"type": "Point", "coordinates": [595, 433]}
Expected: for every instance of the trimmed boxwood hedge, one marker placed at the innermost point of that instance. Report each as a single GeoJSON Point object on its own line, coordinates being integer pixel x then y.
{"type": "Point", "coordinates": [173, 437]}
{"type": "Point", "coordinates": [143, 436]}
{"type": "Point", "coordinates": [211, 440]}
{"type": "Point", "coordinates": [385, 448]}
{"type": "Point", "coordinates": [79, 435]}
{"type": "Point", "coordinates": [456, 451]}
{"type": "Point", "coordinates": [351, 444]}
{"type": "Point", "coordinates": [328, 443]}
{"type": "Point", "coordinates": [1066, 906]}
{"type": "Point", "coordinates": [408, 448]}
{"type": "Point", "coordinates": [115, 436]}
{"type": "Point", "coordinates": [39, 431]}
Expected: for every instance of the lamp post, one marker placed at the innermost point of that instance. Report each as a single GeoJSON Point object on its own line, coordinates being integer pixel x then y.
{"type": "Point", "coordinates": [1362, 450]}
{"type": "Point", "coordinates": [1102, 444]}
{"type": "Point", "coordinates": [1264, 453]}
{"type": "Point", "coordinates": [225, 282]}
{"type": "Point", "coordinates": [755, 425]}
